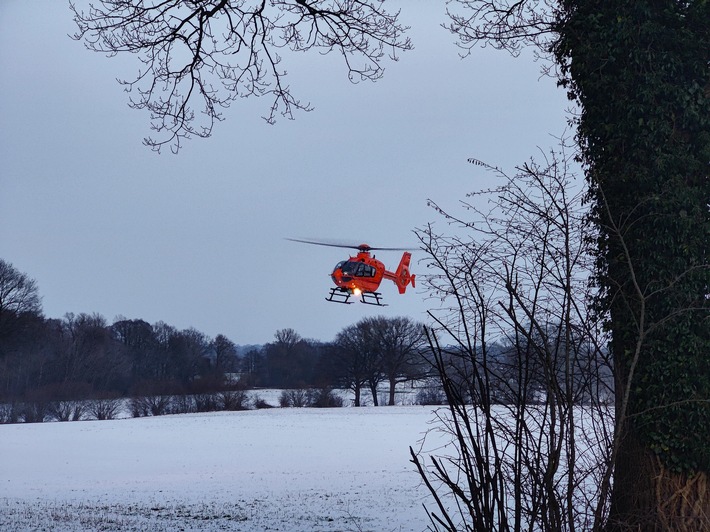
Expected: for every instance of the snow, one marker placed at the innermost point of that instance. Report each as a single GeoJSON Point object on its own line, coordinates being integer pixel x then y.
{"type": "Point", "coordinates": [286, 469]}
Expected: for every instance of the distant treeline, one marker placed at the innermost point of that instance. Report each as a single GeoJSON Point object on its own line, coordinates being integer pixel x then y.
{"type": "Point", "coordinates": [83, 356]}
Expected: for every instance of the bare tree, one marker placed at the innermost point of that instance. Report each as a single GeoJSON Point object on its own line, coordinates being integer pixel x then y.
{"type": "Point", "coordinates": [89, 358]}
{"type": "Point", "coordinates": [189, 355]}
{"type": "Point", "coordinates": [517, 275]}
{"type": "Point", "coordinates": [251, 367]}
{"type": "Point", "coordinates": [225, 352]}
{"type": "Point", "coordinates": [355, 360]}
{"type": "Point", "coordinates": [378, 349]}
{"type": "Point", "coordinates": [18, 295]}
{"type": "Point", "coordinates": [141, 344]}
{"type": "Point", "coordinates": [399, 343]}
{"type": "Point", "coordinates": [203, 55]}
{"type": "Point", "coordinates": [290, 361]}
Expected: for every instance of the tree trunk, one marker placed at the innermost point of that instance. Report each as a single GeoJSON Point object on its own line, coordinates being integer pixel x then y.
{"type": "Point", "coordinates": [649, 496]}
{"type": "Point", "coordinates": [393, 383]}
{"type": "Point", "coordinates": [373, 390]}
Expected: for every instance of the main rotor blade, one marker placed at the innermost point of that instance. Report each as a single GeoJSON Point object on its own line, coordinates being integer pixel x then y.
{"type": "Point", "coordinates": [362, 247]}
{"type": "Point", "coordinates": [316, 243]}
{"type": "Point", "coordinates": [389, 249]}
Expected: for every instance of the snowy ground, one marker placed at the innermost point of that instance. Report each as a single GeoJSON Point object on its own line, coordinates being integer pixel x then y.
{"type": "Point", "coordinates": [340, 469]}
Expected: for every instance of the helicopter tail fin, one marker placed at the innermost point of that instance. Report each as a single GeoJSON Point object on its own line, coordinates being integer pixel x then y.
{"type": "Point", "coordinates": [402, 276]}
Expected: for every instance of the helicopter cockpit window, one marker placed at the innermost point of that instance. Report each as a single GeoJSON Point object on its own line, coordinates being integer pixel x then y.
{"type": "Point", "coordinates": [349, 268]}
{"type": "Point", "coordinates": [356, 269]}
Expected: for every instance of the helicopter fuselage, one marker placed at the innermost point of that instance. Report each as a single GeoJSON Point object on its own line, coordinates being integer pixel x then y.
{"type": "Point", "coordinates": [362, 273]}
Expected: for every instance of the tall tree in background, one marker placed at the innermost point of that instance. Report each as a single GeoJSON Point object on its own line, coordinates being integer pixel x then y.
{"type": "Point", "coordinates": [141, 345]}
{"type": "Point", "coordinates": [20, 320]}
{"type": "Point", "coordinates": [89, 359]}
{"type": "Point", "coordinates": [18, 295]}
{"type": "Point", "coordinates": [379, 349]}
{"type": "Point", "coordinates": [355, 360]}
{"type": "Point", "coordinates": [290, 360]}
{"type": "Point", "coordinates": [399, 342]}
{"type": "Point", "coordinates": [225, 355]}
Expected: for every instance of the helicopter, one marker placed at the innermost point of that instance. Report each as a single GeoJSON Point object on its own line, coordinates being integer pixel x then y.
{"type": "Point", "coordinates": [362, 274]}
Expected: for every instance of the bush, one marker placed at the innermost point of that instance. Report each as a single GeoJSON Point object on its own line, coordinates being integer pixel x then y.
{"type": "Point", "coordinates": [260, 403]}
{"type": "Point", "coordinates": [206, 402]}
{"type": "Point", "coordinates": [182, 404]}
{"type": "Point", "coordinates": [294, 398]}
{"type": "Point", "coordinates": [431, 394]}
{"type": "Point", "coordinates": [234, 400]}
{"type": "Point", "coordinates": [151, 405]}
{"type": "Point", "coordinates": [66, 410]}
{"type": "Point", "coordinates": [33, 412]}
{"type": "Point", "coordinates": [9, 413]}
{"type": "Point", "coordinates": [102, 409]}
{"type": "Point", "coordinates": [324, 398]}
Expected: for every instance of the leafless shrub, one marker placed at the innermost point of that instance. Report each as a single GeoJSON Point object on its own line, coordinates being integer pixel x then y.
{"type": "Point", "coordinates": [8, 413]}
{"type": "Point", "coordinates": [206, 402]}
{"type": "Point", "coordinates": [431, 393]}
{"type": "Point", "coordinates": [33, 411]}
{"type": "Point", "coordinates": [104, 409]}
{"type": "Point", "coordinates": [520, 358]}
{"type": "Point", "coordinates": [324, 398]}
{"type": "Point", "coordinates": [182, 404]}
{"type": "Point", "coordinates": [297, 398]}
{"type": "Point", "coordinates": [66, 410]}
{"type": "Point", "coordinates": [234, 400]}
{"type": "Point", "coordinates": [150, 405]}
{"type": "Point", "coordinates": [260, 403]}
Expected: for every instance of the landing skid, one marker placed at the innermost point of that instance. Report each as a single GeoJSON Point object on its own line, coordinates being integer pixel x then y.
{"type": "Point", "coordinates": [339, 295]}
{"type": "Point", "coordinates": [375, 298]}
{"type": "Point", "coordinates": [342, 295]}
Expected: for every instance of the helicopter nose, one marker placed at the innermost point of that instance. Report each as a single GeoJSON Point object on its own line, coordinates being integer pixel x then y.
{"type": "Point", "coordinates": [339, 279]}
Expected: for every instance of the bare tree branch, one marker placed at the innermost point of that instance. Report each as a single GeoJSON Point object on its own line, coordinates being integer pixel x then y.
{"type": "Point", "coordinates": [204, 54]}
{"type": "Point", "coordinates": [504, 24]}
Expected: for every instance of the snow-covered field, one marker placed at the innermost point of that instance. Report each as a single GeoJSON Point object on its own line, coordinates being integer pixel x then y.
{"type": "Point", "coordinates": [282, 469]}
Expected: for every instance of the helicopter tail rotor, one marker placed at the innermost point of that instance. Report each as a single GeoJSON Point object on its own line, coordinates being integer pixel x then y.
{"type": "Point", "coordinates": [402, 277]}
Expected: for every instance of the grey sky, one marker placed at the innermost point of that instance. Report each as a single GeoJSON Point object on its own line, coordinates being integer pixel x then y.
{"type": "Point", "coordinates": [197, 239]}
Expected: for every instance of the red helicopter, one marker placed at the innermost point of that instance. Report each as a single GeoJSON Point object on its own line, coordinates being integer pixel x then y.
{"type": "Point", "coordinates": [362, 274]}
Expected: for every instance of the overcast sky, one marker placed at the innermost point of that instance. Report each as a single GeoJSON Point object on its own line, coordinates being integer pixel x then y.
{"type": "Point", "coordinates": [105, 225]}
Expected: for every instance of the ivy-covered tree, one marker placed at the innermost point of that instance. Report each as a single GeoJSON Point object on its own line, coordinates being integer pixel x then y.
{"type": "Point", "coordinates": [640, 72]}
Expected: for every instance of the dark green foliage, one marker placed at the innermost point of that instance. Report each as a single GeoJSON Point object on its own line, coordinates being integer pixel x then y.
{"type": "Point", "coordinates": [639, 70]}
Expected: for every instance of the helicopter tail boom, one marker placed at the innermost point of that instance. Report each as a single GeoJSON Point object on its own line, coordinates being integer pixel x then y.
{"type": "Point", "coordinates": [402, 277]}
